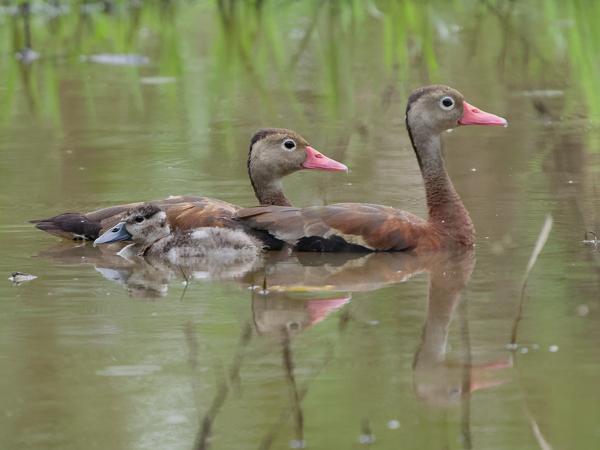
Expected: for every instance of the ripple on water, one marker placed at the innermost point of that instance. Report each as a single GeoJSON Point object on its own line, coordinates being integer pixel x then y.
{"type": "Point", "coordinates": [129, 371]}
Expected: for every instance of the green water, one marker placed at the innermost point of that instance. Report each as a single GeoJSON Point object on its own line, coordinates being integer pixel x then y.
{"type": "Point", "coordinates": [385, 351]}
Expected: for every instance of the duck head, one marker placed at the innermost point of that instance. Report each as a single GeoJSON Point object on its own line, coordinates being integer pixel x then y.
{"type": "Point", "coordinates": [437, 108]}
{"type": "Point", "coordinates": [276, 153]}
{"type": "Point", "coordinates": [144, 224]}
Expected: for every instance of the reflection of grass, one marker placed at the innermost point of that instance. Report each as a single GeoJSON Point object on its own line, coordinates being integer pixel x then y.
{"type": "Point", "coordinates": [304, 61]}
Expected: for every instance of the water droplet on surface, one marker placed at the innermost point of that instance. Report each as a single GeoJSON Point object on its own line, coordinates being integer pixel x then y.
{"type": "Point", "coordinates": [393, 424]}
{"type": "Point", "coordinates": [583, 310]}
{"type": "Point", "coordinates": [366, 439]}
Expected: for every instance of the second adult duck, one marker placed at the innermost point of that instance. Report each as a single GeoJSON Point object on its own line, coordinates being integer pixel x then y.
{"type": "Point", "coordinates": [274, 153]}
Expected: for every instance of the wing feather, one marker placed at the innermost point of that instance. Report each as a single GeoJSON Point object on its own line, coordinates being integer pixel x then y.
{"type": "Point", "coordinates": [374, 227]}
{"type": "Point", "coordinates": [184, 212]}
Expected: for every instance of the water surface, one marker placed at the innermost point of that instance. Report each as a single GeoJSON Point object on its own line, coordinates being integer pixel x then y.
{"type": "Point", "coordinates": [385, 350]}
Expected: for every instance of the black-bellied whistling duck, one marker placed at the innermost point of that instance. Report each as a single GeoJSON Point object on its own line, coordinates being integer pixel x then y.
{"type": "Point", "coordinates": [431, 110]}
{"type": "Point", "coordinates": [274, 153]}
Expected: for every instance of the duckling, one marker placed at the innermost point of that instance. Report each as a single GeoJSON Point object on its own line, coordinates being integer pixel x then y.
{"type": "Point", "coordinates": [147, 226]}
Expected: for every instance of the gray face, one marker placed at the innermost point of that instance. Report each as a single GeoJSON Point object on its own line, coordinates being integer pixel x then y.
{"type": "Point", "coordinates": [145, 227]}
{"type": "Point", "coordinates": [435, 108]}
{"type": "Point", "coordinates": [278, 154]}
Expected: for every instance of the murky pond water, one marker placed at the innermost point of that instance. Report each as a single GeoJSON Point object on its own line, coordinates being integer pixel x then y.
{"type": "Point", "coordinates": [388, 351]}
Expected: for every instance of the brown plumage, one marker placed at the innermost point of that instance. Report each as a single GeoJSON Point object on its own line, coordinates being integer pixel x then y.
{"type": "Point", "coordinates": [367, 227]}
{"type": "Point", "coordinates": [274, 153]}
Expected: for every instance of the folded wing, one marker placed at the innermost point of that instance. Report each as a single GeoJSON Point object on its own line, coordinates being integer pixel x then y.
{"type": "Point", "coordinates": [338, 227]}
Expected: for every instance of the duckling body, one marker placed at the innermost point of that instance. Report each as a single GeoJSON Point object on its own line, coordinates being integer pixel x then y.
{"type": "Point", "coordinates": [220, 246]}
{"type": "Point", "coordinates": [147, 226]}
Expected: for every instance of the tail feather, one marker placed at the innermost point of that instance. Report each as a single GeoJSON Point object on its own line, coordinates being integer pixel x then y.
{"type": "Point", "coordinates": [70, 226]}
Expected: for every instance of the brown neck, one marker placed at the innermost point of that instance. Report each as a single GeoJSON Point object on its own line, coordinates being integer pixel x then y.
{"type": "Point", "coordinates": [446, 210]}
{"type": "Point", "coordinates": [268, 190]}
{"type": "Point", "coordinates": [270, 194]}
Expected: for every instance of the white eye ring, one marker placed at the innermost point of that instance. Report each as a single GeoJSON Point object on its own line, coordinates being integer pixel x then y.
{"type": "Point", "coordinates": [447, 103]}
{"type": "Point", "coordinates": [288, 145]}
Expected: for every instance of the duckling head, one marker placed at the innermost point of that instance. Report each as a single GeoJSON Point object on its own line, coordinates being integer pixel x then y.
{"type": "Point", "coordinates": [144, 225]}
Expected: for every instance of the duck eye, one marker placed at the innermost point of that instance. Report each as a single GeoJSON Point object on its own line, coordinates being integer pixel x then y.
{"type": "Point", "coordinates": [447, 103]}
{"type": "Point", "coordinates": [289, 144]}
{"type": "Point", "coordinates": [139, 219]}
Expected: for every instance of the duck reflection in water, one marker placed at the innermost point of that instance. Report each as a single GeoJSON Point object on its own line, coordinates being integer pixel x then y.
{"type": "Point", "coordinates": [293, 293]}
{"type": "Point", "coordinates": [143, 277]}
{"type": "Point", "coordinates": [437, 381]}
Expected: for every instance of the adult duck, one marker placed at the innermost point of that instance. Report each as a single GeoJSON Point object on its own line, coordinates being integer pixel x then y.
{"type": "Point", "coordinates": [274, 153]}
{"type": "Point", "coordinates": [431, 110]}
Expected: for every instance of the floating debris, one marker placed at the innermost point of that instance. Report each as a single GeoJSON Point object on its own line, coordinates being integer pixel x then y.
{"type": "Point", "coordinates": [582, 310]}
{"type": "Point", "coordinates": [366, 439]}
{"type": "Point", "coordinates": [157, 80]}
{"type": "Point", "coordinates": [21, 277]}
{"type": "Point", "coordinates": [117, 59]}
{"type": "Point", "coordinates": [176, 419]}
{"type": "Point", "coordinates": [27, 55]}
{"type": "Point", "coordinates": [129, 371]}
{"type": "Point", "coordinates": [393, 424]}
{"type": "Point", "coordinates": [553, 348]}
{"type": "Point", "coordinates": [542, 93]}
{"type": "Point", "coordinates": [591, 239]}
{"type": "Point", "coordinates": [297, 443]}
